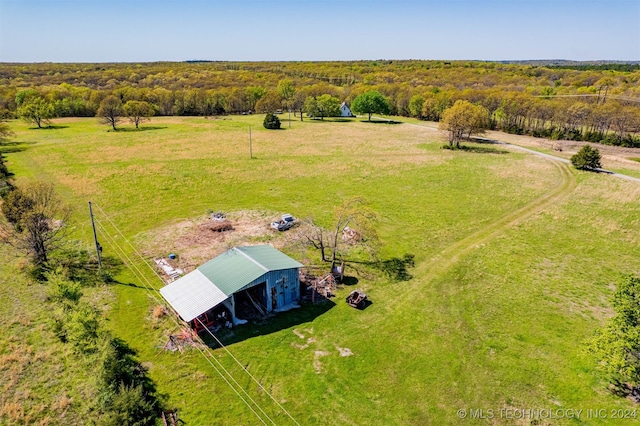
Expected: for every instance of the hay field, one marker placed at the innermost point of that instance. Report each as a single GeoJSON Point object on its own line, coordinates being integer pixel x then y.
{"type": "Point", "coordinates": [516, 257]}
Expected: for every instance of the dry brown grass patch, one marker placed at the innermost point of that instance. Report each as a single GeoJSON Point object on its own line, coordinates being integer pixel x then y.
{"type": "Point", "coordinates": [612, 156]}
{"type": "Point", "coordinates": [158, 312]}
{"type": "Point", "coordinates": [61, 403]}
{"type": "Point", "coordinates": [195, 241]}
{"type": "Point", "coordinates": [14, 411]}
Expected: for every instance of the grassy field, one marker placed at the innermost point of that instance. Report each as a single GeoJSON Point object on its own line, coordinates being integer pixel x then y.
{"type": "Point", "coordinates": [516, 257]}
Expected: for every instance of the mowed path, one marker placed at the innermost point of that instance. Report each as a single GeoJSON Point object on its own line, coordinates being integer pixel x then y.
{"type": "Point", "coordinates": [448, 257]}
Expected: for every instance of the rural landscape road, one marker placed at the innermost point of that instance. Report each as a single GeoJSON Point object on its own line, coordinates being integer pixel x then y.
{"type": "Point", "coordinates": [451, 254]}
{"type": "Point", "coordinates": [521, 148]}
{"type": "Point", "coordinates": [554, 158]}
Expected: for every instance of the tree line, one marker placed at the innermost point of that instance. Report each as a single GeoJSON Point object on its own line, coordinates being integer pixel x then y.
{"type": "Point", "coordinates": [598, 105]}
{"type": "Point", "coordinates": [34, 220]}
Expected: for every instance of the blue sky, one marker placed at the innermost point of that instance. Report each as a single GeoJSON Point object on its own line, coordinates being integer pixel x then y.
{"type": "Point", "coordinates": [257, 30]}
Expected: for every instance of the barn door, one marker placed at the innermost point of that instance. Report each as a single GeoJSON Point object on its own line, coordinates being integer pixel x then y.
{"type": "Point", "coordinates": [285, 290]}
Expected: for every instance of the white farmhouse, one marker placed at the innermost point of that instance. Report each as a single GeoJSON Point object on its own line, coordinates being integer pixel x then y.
{"type": "Point", "coordinates": [345, 111]}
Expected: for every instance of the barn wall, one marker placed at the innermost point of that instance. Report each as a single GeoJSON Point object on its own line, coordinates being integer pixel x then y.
{"type": "Point", "coordinates": [283, 288]}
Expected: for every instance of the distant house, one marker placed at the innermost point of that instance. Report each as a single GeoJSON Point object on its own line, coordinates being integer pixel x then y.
{"type": "Point", "coordinates": [345, 111]}
{"type": "Point", "coordinates": [260, 277]}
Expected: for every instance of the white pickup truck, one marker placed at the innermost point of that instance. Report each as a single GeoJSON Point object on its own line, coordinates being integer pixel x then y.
{"type": "Point", "coordinates": [284, 224]}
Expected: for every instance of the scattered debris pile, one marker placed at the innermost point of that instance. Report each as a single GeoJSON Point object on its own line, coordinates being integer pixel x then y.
{"type": "Point", "coordinates": [218, 223]}
{"type": "Point", "coordinates": [351, 236]}
{"type": "Point", "coordinates": [218, 216]}
{"type": "Point", "coordinates": [248, 308]}
{"type": "Point", "coordinates": [212, 320]}
{"type": "Point", "coordinates": [177, 342]}
{"type": "Point", "coordinates": [327, 285]}
{"type": "Point", "coordinates": [219, 226]}
{"type": "Point", "coordinates": [317, 288]}
{"type": "Point", "coordinates": [173, 273]}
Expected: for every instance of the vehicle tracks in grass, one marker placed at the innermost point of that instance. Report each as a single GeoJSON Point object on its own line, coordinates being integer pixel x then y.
{"type": "Point", "coordinates": [448, 257]}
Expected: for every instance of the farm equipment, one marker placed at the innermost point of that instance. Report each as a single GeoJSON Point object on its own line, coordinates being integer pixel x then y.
{"type": "Point", "coordinates": [357, 299]}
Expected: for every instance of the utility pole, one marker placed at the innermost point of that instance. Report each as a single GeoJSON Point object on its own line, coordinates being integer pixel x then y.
{"type": "Point", "coordinates": [95, 237]}
{"type": "Point", "coordinates": [250, 145]}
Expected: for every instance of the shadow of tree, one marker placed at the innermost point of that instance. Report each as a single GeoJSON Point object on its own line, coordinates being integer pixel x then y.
{"type": "Point", "coordinates": [82, 267]}
{"type": "Point", "coordinates": [373, 121]}
{"type": "Point", "coordinates": [139, 129]}
{"type": "Point", "coordinates": [340, 120]}
{"type": "Point", "coordinates": [476, 149]}
{"type": "Point", "coordinates": [51, 127]}
{"type": "Point", "coordinates": [396, 268]}
{"type": "Point", "coordinates": [483, 150]}
{"type": "Point", "coordinates": [10, 147]}
{"type": "Point", "coordinates": [479, 140]}
{"type": "Point", "coordinates": [349, 281]}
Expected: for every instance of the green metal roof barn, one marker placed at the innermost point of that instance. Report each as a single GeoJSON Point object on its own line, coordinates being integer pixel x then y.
{"type": "Point", "coordinates": [263, 275]}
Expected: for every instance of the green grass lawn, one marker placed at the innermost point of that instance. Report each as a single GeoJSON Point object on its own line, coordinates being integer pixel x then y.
{"type": "Point", "coordinates": [516, 258]}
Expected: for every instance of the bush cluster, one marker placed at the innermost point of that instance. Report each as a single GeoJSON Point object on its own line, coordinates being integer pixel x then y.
{"type": "Point", "coordinates": [127, 395]}
{"type": "Point", "coordinates": [271, 122]}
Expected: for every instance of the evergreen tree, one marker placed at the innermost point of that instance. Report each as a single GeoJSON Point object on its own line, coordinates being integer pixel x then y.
{"type": "Point", "coordinates": [271, 122]}
{"type": "Point", "coordinates": [587, 158]}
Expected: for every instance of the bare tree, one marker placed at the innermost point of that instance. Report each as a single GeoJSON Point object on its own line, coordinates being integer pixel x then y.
{"type": "Point", "coordinates": [353, 229]}
{"type": "Point", "coordinates": [36, 219]}
{"type": "Point", "coordinates": [298, 104]}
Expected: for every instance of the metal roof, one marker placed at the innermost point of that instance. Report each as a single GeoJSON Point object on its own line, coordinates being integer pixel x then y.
{"type": "Point", "coordinates": [239, 266]}
{"type": "Point", "coordinates": [215, 281]}
{"type": "Point", "coordinates": [192, 295]}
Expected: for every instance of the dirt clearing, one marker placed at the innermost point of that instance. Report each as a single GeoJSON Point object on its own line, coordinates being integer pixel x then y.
{"type": "Point", "coordinates": [195, 241]}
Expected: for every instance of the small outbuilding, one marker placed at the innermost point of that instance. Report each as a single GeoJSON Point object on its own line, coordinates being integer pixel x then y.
{"type": "Point", "coordinates": [345, 111]}
{"type": "Point", "coordinates": [260, 276]}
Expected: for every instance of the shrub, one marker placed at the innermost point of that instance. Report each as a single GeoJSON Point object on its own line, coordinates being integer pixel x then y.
{"type": "Point", "coordinates": [271, 122]}
{"type": "Point", "coordinates": [129, 406]}
{"type": "Point", "coordinates": [63, 291]}
{"type": "Point", "coordinates": [128, 395]}
{"type": "Point", "coordinates": [83, 329]}
{"type": "Point", "coordinates": [587, 158]}
{"type": "Point", "coordinates": [4, 172]}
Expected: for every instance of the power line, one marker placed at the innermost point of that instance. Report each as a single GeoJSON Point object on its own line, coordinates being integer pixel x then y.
{"type": "Point", "coordinates": [247, 371]}
{"type": "Point", "coordinates": [151, 289]}
{"type": "Point", "coordinates": [131, 265]}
